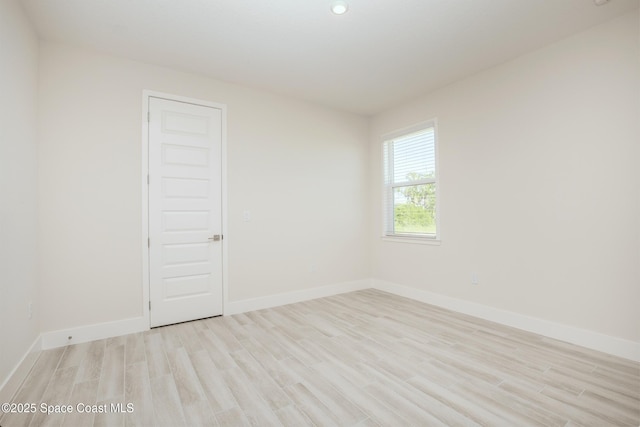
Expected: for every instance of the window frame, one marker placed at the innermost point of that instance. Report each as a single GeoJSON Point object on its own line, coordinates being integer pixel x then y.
{"type": "Point", "coordinates": [388, 189]}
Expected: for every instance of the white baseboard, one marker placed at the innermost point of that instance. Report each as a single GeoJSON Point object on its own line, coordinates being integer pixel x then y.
{"type": "Point", "coordinates": [13, 382]}
{"type": "Point", "coordinates": [94, 332]}
{"type": "Point", "coordinates": [582, 337]}
{"type": "Point", "coordinates": [99, 331]}
{"type": "Point", "coordinates": [242, 306]}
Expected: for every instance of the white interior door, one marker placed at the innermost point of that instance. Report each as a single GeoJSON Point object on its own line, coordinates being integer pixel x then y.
{"type": "Point", "coordinates": [185, 211]}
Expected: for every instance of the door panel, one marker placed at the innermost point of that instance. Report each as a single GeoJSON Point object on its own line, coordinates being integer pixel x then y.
{"type": "Point", "coordinates": [185, 211]}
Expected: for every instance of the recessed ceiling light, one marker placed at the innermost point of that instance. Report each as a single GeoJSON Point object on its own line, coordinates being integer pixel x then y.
{"type": "Point", "coordinates": [600, 2]}
{"type": "Point", "coordinates": [339, 7]}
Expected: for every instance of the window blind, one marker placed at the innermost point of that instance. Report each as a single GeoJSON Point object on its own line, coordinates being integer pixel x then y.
{"type": "Point", "coordinates": [410, 184]}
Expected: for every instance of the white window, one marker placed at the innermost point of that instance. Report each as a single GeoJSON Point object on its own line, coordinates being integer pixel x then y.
{"type": "Point", "coordinates": [410, 183]}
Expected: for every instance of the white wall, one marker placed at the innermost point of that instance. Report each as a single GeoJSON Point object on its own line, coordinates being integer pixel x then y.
{"type": "Point", "coordinates": [302, 170]}
{"type": "Point", "coordinates": [18, 191]}
{"type": "Point", "coordinates": [539, 182]}
{"type": "Point", "coordinates": [533, 129]}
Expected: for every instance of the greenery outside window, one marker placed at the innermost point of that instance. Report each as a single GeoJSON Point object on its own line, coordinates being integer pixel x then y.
{"type": "Point", "coordinates": [410, 183]}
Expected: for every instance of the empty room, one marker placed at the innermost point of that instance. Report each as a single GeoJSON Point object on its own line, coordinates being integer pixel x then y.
{"type": "Point", "coordinates": [320, 212]}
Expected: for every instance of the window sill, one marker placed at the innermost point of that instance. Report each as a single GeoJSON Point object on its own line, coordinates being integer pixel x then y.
{"type": "Point", "coordinates": [413, 240]}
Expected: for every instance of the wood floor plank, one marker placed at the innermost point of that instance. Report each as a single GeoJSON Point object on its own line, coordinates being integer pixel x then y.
{"type": "Point", "coordinates": [469, 409]}
{"type": "Point", "coordinates": [587, 382]}
{"type": "Point", "coordinates": [626, 384]}
{"type": "Point", "coordinates": [110, 417]}
{"type": "Point", "coordinates": [409, 411]}
{"type": "Point", "coordinates": [302, 350]}
{"type": "Point", "coordinates": [34, 386]}
{"type": "Point", "coordinates": [74, 354]}
{"type": "Point", "coordinates": [262, 381]}
{"type": "Point", "coordinates": [134, 349]}
{"type": "Point", "coordinates": [185, 377]}
{"type": "Point", "coordinates": [270, 339]}
{"type": "Point", "coordinates": [221, 358]}
{"type": "Point", "coordinates": [58, 393]}
{"type": "Point", "coordinates": [433, 373]}
{"type": "Point", "coordinates": [491, 399]}
{"type": "Point", "coordinates": [168, 410]}
{"type": "Point", "coordinates": [155, 355]}
{"type": "Point", "coordinates": [223, 335]}
{"type": "Point", "coordinates": [275, 368]}
{"type": "Point", "coordinates": [307, 403]}
{"type": "Point", "coordinates": [525, 406]}
{"type": "Point", "coordinates": [254, 407]}
{"type": "Point", "coordinates": [364, 358]}
{"type": "Point", "coordinates": [570, 352]}
{"type": "Point", "coordinates": [415, 398]}
{"type": "Point", "coordinates": [460, 365]}
{"type": "Point", "coordinates": [91, 366]}
{"type": "Point", "coordinates": [367, 403]}
{"type": "Point", "coordinates": [112, 377]}
{"type": "Point", "coordinates": [620, 403]}
{"type": "Point", "coordinates": [290, 416]}
{"type": "Point", "coordinates": [368, 423]}
{"type": "Point", "coordinates": [199, 414]}
{"type": "Point", "coordinates": [505, 366]}
{"type": "Point", "coordinates": [115, 341]}
{"type": "Point", "coordinates": [189, 335]}
{"type": "Point", "coordinates": [600, 411]}
{"type": "Point", "coordinates": [556, 407]}
{"type": "Point", "coordinates": [236, 325]}
{"type": "Point", "coordinates": [83, 395]}
{"type": "Point", "coordinates": [138, 393]}
{"type": "Point", "coordinates": [216, 390]}
{"type": "Point", "coordinates": [339, 405]}
{"type": "Point", "coordinates": [257, 318]}
{"type": "Point", "coordinates": [233, 417]}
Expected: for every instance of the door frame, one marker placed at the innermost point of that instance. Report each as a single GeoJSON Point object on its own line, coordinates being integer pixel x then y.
{"type": "Point", "coordinates": [146, 94]}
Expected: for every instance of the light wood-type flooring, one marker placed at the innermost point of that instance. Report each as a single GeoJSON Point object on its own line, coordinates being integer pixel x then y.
{"type": "Point", "coordinates": [365, 358]}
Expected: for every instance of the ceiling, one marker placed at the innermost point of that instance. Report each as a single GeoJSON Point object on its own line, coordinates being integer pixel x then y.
{"type": "Point", "coordinates": [379, 54]}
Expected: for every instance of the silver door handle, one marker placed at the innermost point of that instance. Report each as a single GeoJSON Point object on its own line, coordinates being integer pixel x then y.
{"type": "Point", "coordinates": [215, 238]}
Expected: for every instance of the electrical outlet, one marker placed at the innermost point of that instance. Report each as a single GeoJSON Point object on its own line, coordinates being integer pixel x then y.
{"type": "Point", "coordinates": [246, 215]}
{"type": "Point", "coordinates": [30, 310]}
{"type": "Point", "coordinates": [312, 268]}
{"type": "Point", "coordinates": [474, 278]}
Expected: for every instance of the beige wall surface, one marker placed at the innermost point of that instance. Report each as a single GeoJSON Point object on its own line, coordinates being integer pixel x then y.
{"type": "Point", "coordinates": [539, 183]}
{"type": "Point", "coordinates": [300, 169]}
{"type": "Point", "coordinates": [18, 191]}
{"type": "Point", "coordinates": [538, 177]}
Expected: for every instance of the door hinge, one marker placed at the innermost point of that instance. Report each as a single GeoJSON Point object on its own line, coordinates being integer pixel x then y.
{"type": "Point", "coordinates": [149, 305]}
{"type": "Point", "coordinates": [148, 116]}
{"type": "Point", "coordinates": [148, 242]}
{"type": "Point", "coordinates": [147, 179]}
